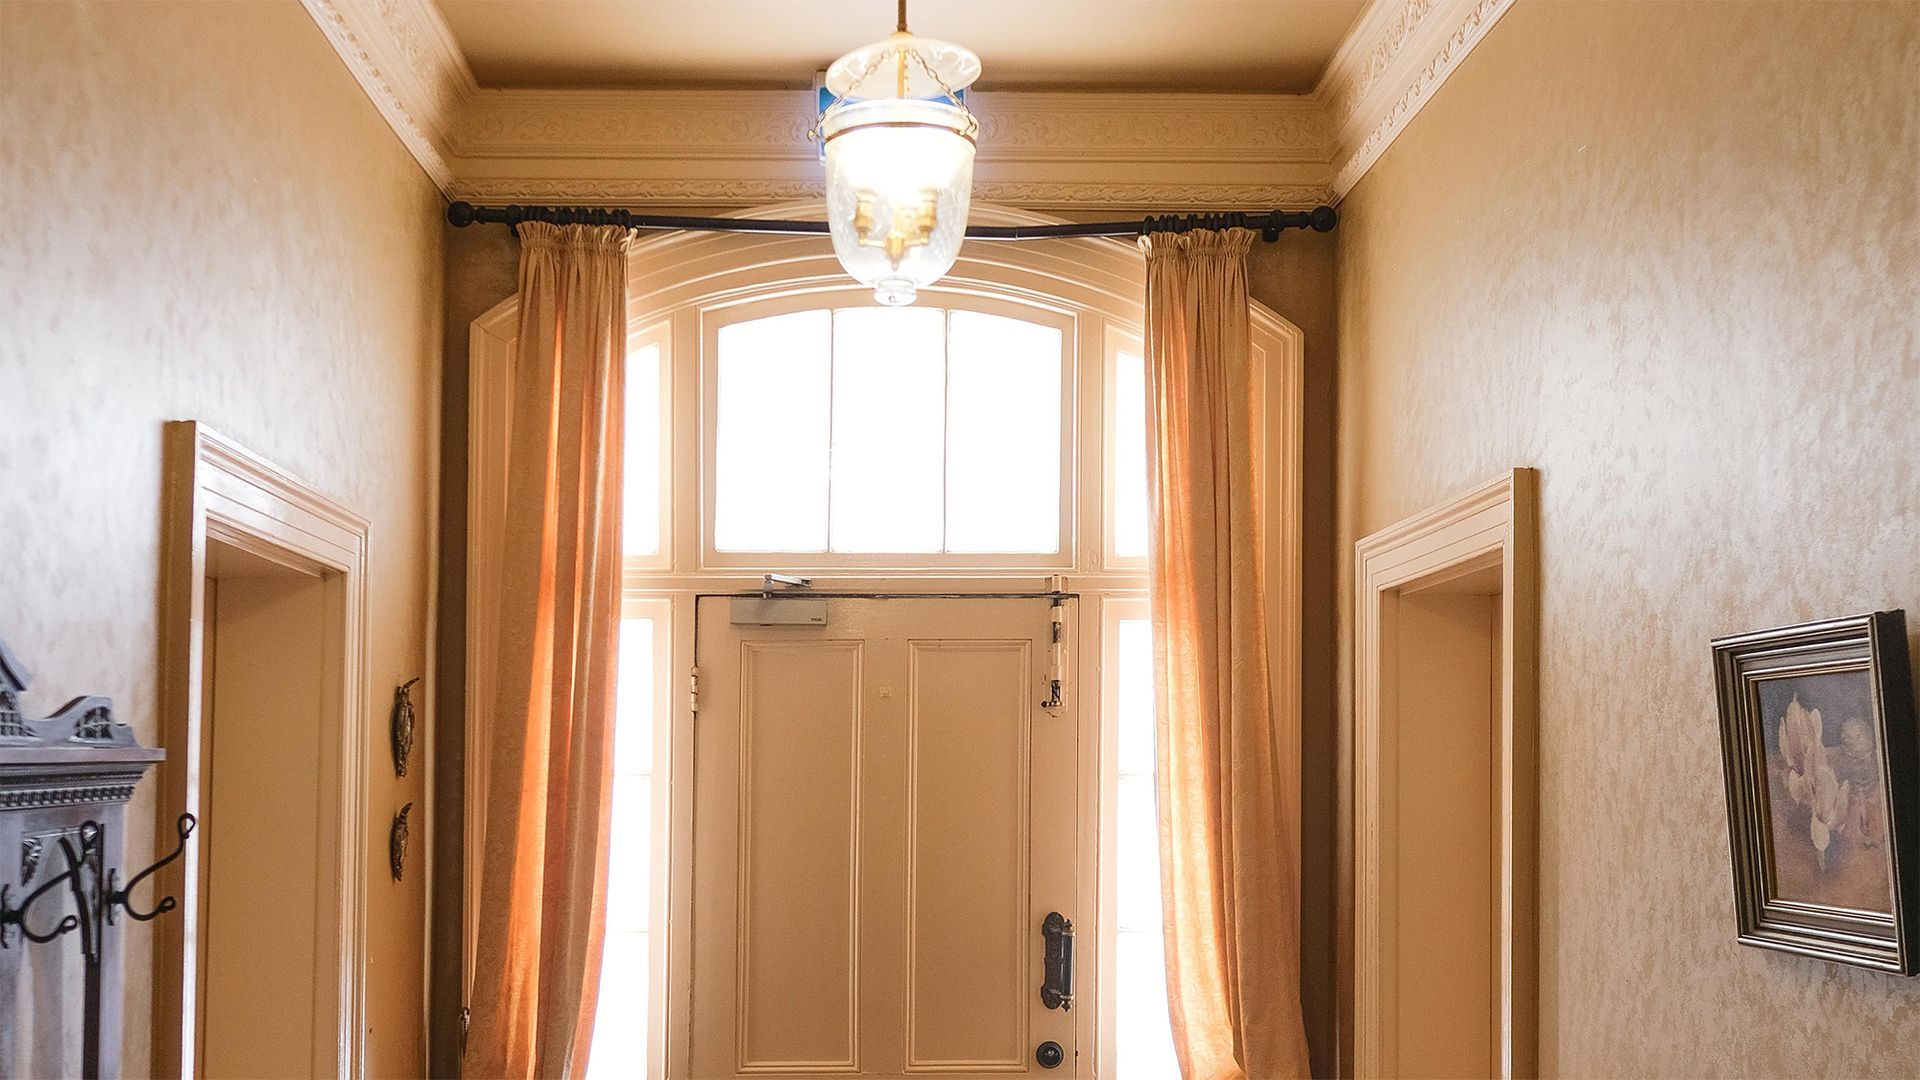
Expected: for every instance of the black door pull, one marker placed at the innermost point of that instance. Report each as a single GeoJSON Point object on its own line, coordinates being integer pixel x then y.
{"type": "Point", "coordinates": [1056, 984]}
{"type": "Point", "coordinates": [1049, 1054]}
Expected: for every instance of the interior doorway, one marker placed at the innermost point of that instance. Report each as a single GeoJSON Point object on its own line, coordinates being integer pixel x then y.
{"type": "Point", "coordinates": [1443, 879]}
{"type": "Point", "coordinates": [265, 714]}
{"type": "Point", "coordinates": [886, 815]}
{"type": "Point", "coordinates": [1443, 975]}
{"type": "Point", "coordinates": [264, 685]}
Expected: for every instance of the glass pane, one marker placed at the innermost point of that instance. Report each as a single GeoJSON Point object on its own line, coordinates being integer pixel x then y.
{"type": "Point", "coordinates": [1003, 435]}
{"type": "Point", "coordinates": [1143, 1031]}
{"type": "Point", "coordinates": [1137, 881]}
{"type": "Point", "coordinates": [889, 374]}
{"type": "Point", "coordinates": [620, 1020]}
{"type": "Point", "coordinates": [630, 855]}
{"type": "Point", "coordinates": [1133, 657]}
{"type": "Point", "coordinates": [640, 504]}
{"type": "Point", "coordinates": [770, 448]}
{"type": "Point", "coordinates": [1129, 456]}
{"type": "Point", "coordinates": [634, 703]}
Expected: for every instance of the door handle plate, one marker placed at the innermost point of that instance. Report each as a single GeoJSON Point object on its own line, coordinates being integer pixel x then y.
{"type": "Point", "coordinates": [1056, 984]}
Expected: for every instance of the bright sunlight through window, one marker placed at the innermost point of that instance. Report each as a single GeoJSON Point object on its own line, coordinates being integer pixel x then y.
{"type": "Point", "coordinates": [890, 431]}
{"type": "Point", "coordinates": [620, 1026]}
{"type": "Point", "coordinates": [640, 526]}
{"type": "Point", "coordinates": [1130, 456]}
{"type": "Point", "coordinates": [1144, 1034]}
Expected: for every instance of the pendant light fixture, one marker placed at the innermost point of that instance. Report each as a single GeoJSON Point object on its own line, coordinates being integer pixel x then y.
{"type": "Point", "coordinates": [899, 148]}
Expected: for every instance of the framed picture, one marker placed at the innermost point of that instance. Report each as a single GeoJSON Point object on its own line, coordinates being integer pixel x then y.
{"type": "Point", "coordinates": [1823, 789]}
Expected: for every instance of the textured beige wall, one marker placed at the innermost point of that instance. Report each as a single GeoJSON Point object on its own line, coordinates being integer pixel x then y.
{"type": "Point", "coordinates": [208, 220]}
{"type": "Point", "coordinates": [1669, 254]}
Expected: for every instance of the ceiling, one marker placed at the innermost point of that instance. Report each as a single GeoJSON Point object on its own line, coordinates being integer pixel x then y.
{"type": "Point", "coordinates": [1275, 46]}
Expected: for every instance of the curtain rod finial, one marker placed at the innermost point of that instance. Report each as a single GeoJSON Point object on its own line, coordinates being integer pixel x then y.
{"type": "Point", "coordinates": [1323, 218]}
{"type": "Point", "coordinates": [459, 214]}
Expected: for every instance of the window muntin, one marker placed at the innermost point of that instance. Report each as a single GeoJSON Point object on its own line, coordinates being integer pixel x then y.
{"type": "Point", "coordinates": [945, 439]}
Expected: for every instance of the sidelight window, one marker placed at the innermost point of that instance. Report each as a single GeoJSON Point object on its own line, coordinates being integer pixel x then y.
{"type": "Point", "coordinates": [1143, 1033]}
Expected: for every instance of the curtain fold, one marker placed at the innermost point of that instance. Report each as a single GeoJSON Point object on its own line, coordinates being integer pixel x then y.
{"type": "Point", "coordinates": [544, 869]}
{"type": "Point", "coordinates": [1229, 810]}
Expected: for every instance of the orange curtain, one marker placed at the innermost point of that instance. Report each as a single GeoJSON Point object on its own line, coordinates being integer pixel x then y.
{"type": "Point", "coordinates": [1229, 807]}
{"type": "Point", "coordinates": [544, 870]}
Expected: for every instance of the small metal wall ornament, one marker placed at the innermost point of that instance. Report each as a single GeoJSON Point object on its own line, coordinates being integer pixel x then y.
{"type": "Point", "coordinates": [402, 725]}
{"type": "Point", "coordinates": [30, 849]}
{"type": "Point", "coordinates": [397, 842]}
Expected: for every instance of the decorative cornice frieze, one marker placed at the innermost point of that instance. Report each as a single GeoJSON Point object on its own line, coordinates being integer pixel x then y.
{"type": "Point", "coordinates": [636, 125]}
{"type": "Point", "coordinates": [404, 57]}
{"type": "Point", "coordinates": [1027, 194]}
{"type": "Point", "coordinates": [1042, 150]}
{"type": "Point", "coordinates": [1067, 195]}
{"type": "Point", "coordinates": [635, 192]}
{"type": "Point", "coordinates": [1392, 62]}
{"type": "Point", "coordinates": [104, 792]}
{"type": "Point", "coordinates": [675, 125]}
{"type": "Point", "coordinates": [1189, 129]}
{"type": "Point", "coordinates": [1367, 52]}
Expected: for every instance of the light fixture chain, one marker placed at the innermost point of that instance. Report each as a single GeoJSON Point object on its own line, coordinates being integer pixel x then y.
{"type": "Point", "coordinates": [840, 102]}
{"type": "Point", "coordinates": [952, 94]}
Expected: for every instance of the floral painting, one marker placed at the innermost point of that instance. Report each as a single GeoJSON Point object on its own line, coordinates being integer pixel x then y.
{"type": "Point", "coordinates": [1826, 791]}
{"type": "Point", "coordinates": [1822, 753]}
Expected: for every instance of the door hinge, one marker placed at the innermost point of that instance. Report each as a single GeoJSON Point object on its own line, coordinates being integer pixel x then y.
{"type": "Point", "coordinates": [693, 690]}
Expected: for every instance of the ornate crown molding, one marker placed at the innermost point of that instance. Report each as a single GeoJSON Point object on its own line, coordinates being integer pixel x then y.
{"type": "Point", "coordinates": [1233, 129]}
{"type": "Point", "coordinates": [1043, 150]}
{"type": "Point", "coordinates": [1026, 194]}
{"type": "Point", "coordinates": [1391, 63]}
{"type": "Point", "coordinates": [404, 57]}
{"type": "Point", "coordinates": [637, 191]}
{"type": "Point", "coordinates": [750, 147]}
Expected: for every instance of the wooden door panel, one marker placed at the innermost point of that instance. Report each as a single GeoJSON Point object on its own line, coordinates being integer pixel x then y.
{"type": "Point", "coordinates": [968, 940]}
{"type": "Point", "coordinates": [798, 908]}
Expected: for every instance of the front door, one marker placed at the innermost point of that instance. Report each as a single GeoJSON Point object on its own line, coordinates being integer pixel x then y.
{"type": "Point", "coordinates": [884, 817]}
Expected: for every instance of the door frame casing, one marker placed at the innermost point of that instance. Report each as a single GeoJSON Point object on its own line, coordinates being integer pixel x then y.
{"type": "Point", "coordinates": [217, 489]}
{"type": "Point", "coordinates": [1495, 524]}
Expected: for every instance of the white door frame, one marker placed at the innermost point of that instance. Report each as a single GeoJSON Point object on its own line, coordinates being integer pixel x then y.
{"type": "Point", "coordinates": [1495, 525]}
{"type": "Point", "coordinates": [217, 489]}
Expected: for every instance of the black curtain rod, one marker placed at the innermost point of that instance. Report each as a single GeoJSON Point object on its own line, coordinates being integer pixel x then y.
{"type": "Point", "coordinates": [1269, 223]}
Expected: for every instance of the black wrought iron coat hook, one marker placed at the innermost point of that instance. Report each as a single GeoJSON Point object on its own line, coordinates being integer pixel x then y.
{"type": "Point", "coordinates": [97, 896]}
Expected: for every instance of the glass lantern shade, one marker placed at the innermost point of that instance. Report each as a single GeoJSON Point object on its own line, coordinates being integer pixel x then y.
{"type": "Point", "coordinates": [899, 180]}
